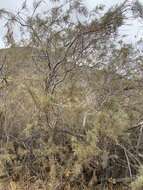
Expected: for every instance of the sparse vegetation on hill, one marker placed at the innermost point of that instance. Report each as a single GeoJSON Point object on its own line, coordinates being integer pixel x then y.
{"type": "Point", "coordinates": [70, 101]}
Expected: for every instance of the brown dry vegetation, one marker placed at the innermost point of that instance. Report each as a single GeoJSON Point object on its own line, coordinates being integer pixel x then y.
{"type": "Point", "coordinates": [67, 126]}
{"type": "Point", "coordinates": [80, 145]}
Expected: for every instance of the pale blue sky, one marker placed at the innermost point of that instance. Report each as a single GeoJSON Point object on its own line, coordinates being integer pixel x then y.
{"type": "Point", "coordinates": [14, 4]}
{"type": "Point", "coordinates": [135, 29]}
